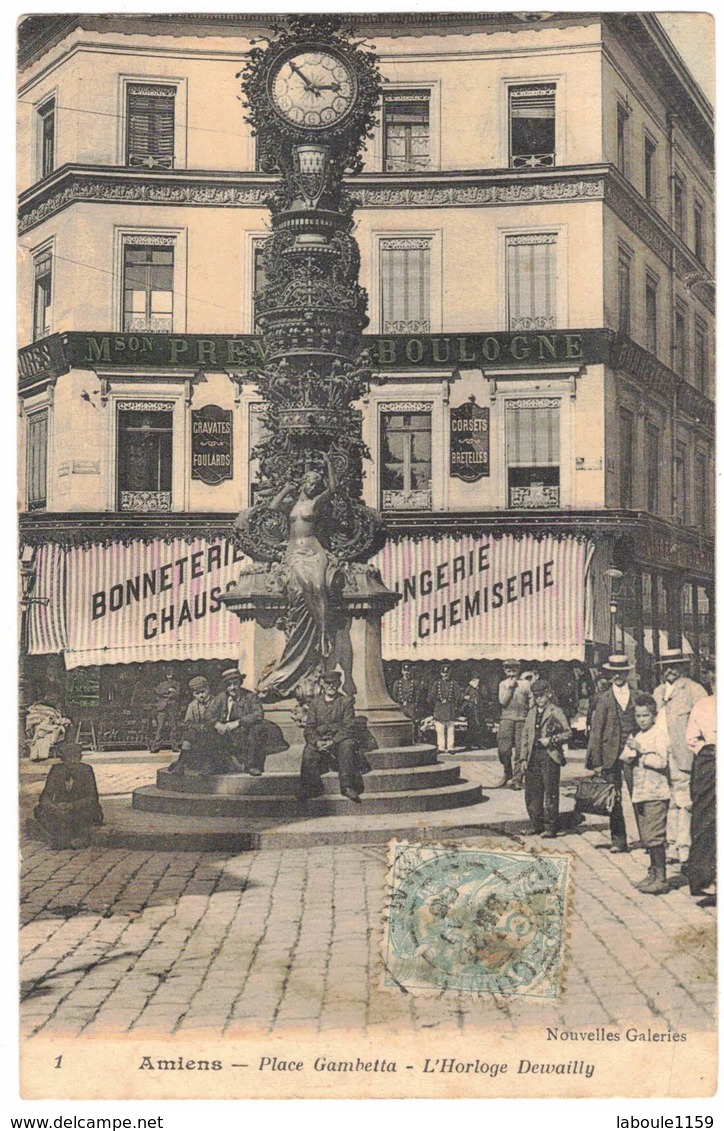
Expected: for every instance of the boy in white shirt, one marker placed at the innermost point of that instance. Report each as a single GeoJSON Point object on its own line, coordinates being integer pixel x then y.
{"type": "Point", "coordinates": [648, 752]}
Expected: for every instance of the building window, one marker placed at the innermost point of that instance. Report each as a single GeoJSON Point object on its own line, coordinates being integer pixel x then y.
{"type": "Point", "coordinates": [699, 250]}
{"type": "Point", "coordinates": [624, 293]}
{"type": "Point", "coordinates": [532, 125]}
{"type": "Point", "coordinates": [406, 131]}
{"type": "Point", "coordinates": [627, 443]}
{"type": "Point", "coordinates": [150, 125]}
{"type": "Point", "coordinates": [621, 128]}
{"type": "Point", "coordinates": [36, 460]}
{"type": "Point", "coordinates": [406, 456]}
{"type": "Point", "coordinates": [43, 293]}
{"type": "Point", "coordinates": [148, 287]}
{"type": "Point", "coordinates": [682, 482]}
{"type": "Point", "coordinates": [405, 285]}
{"type": "Point", "coordinates": [651, 314]}
{"type": "Point", "coordinates": [681, 356]}
{"type": "Point", "coordinates": [649, 169]}
{"type": "Point", "coordinates": [652, 468]}
{"type": "Point", "coordinates": [145, 455]}
{"type": "Point", "coordinates": [701, 357]}
{"type": "Point", "coordinates": [531, 281]}
{"type": "Point", "coordinates": [46, 137]}
{"type": "Point", "coordinates": [260, 279]}
{"type": "Point", "coordinates": [702, 492]}
{"type": "Point", "coordinates": [532, 446]}
{"type": "Point", "coordinates": [679, 208]}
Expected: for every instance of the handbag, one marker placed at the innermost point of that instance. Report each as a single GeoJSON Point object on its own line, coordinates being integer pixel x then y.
{"type": "Point", "coordinates": [596, 796]}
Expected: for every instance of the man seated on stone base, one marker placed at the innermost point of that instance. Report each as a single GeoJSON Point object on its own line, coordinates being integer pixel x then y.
{"type": "Point", "coordinates": [233, 715]}
{"type": "Point", "coordinates": [69, 807]}
{"type": "Point", "coordinates": [329, 735]}
{"type": "Point", "coordinates": [197, 739]}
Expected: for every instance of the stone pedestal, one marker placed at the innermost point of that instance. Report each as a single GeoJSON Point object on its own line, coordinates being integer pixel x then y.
{"type": "Point", "coordinates": [357, 651]}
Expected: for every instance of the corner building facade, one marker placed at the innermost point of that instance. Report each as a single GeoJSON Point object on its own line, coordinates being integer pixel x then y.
{"type": "Point", "coordinates": [536, 227]}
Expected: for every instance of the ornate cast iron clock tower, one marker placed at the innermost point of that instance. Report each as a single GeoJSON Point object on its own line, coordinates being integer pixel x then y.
{"type": "Point", "coordinates": [311, 96]}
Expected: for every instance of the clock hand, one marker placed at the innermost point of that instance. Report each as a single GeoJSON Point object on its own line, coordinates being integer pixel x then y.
{"type": "Point", "coordinates": [309, 85]}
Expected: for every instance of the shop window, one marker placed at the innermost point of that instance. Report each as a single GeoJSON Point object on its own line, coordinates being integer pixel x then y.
{"type": "Point", "coordinates": [649, 168]}
{"type": "Point", "coordinates": [36, 460]}
{"type": "Point", "coordinates": [145, 455]}
{"type": "Point", "coordinates": [532, 445]}
{"type": "Point", "coordinates": [405, 284]}
{"type": "Point", "coordinates": [406, 131]}
{"type": "Point", "coordinates": [651, 302]}
{"type": "Point", "coordinates": [627, 448]}
{"type": "Point", "coordinates": [406, 456]}
{"type": "Point", "coordinates": [679, 207]}
{"type": "Point", "coordinates": [150, 117]}
{"type": "Point", "coordinates": [531, 281]}
{"type": "Point", "coordinates": [624, 292]}
{"type": "Point", "coordinates": [653, 456]}
{"type": "Point", "coordinates": [699, 249]}
{"type": "Point", "coordinates": [42, 293]}
{"type": "Point", "coordinates": [701, 357]}
{"type": "Point", "coordinates": [681, 466]}
{"type": "Point", "coordinates": [681, 353]}
{"type": "Point", "coordinates": [532, 125]}
{"type": "Point", "coordinates": [46, 137]}
{"type": "Point", "coordinates": [707, 630]}
{"type": "Point", "coordinates": [621, 131]}
{"type": "Point", "coordinates": [148, 287]}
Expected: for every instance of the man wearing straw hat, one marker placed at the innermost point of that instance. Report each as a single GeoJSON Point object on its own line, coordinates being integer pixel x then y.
{"type": "Point", "coordinates": [233, 715]}
{"type": "Point", "coordinates": [612, 723]}
{"type": "Point", "coordinates": [676, 695]}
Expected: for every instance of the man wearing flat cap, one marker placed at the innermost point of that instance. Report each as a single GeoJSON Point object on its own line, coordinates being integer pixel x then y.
{"type": "Point", "coordinates": [232, 716]}
{"type": "Point", "coordinates": [514, 696]}
{"type": "Point", "coordinates": [330, 740]}
{"type": "Point", "coordinates": [197, 741]}
{"type": "Point", "coordinates": [612, 723]}
{"type": "Point", "coordinates": [676, 695]}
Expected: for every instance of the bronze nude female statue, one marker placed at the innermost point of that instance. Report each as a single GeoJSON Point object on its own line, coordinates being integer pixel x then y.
{"type": "Point", "coordinates": [310, 574]}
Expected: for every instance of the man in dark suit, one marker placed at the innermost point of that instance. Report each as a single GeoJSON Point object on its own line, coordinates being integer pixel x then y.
{"type": "Point", "coordinates": [329, 734]}
{"type": "Point", "coordinates": [233, 715]}
{"type": "Point", "coordinates": [612, 723]}
{"type": "Point", "coordinates": [407, 691]}
{"type": "Point", "coordinates": [68, 806]}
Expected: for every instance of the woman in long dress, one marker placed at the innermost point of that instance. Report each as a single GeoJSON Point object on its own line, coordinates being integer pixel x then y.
{"type": "Point", "coordinates": [310, 574]}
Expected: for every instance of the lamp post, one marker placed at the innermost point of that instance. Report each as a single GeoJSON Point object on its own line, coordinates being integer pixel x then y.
{"type": "Point", "coordinates": [615, 576]}
{"type": "Point", "coordinates": [28, 577]}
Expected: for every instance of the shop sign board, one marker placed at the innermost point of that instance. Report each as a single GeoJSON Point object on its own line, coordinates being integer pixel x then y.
{"type": "Point", "coordinates": [212, 442]}
{"type": "Point", "coordinates": [469, 442]}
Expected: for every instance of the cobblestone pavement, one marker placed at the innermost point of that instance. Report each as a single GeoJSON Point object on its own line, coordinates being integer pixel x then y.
{"type": "Point", "coordinates": [127, 942]}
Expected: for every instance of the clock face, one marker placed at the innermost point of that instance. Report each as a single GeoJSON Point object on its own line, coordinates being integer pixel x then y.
{"type": "Point", "coordinates": [313, 89]}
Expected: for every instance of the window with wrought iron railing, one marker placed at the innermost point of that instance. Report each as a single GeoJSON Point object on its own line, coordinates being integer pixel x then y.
{"type": "Point", "coordinates": [150, 118]}
{"type": "Point", "coordinates": [532, 126]}
{"type": "Point", "coordinates": [144, 455]}
{"type": "Point", "coordinates": [531, 281]}
{"type": "Point", "coordinates": [148, 287]}
{"type": "Point", "coordinates": [405, 284]}
{"type": "Point", "coordinates": [532, 444]}
{"type": "Point", "coordinates": [406, 131]}
{"type": "Point", "coordinates": [406, 456]}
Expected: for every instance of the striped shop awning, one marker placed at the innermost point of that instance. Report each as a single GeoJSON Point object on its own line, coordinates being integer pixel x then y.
{"type": "Point", "coordinates": [486, 597]}
{"type": "Point", "coordinates": [46, 621]}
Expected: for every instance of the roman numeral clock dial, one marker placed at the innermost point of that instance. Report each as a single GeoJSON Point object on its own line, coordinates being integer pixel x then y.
{"type": "Point", "coordinates": [312, 90]}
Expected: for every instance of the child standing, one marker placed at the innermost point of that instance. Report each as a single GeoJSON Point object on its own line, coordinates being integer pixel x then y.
{"type": "Point", "coordinates": [545, 732]}
{"type": "Point", "coordinates": [648, 753]}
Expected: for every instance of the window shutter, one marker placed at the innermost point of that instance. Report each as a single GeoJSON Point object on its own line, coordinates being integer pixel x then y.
{"type": "Point", "coordinates": [151, 125]}
{"type": "Point", "coordinates": [37, 459]}
{"type": "Point", "coordinates": [405, 285]}
{"type": "Point", "coordinates": [531, 261]}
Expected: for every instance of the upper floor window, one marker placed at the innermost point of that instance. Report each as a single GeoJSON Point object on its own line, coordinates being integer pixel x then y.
{"type": "Point", "coordinates": [679, 207]}
{"type": "Point", "coordinates": [36, 460]}
{"type": "Point", "coordinates": [682, 482]}
{"type": "Point", "coordinates": [681, 353]}
{"type": "Point", "coordinates": [405, 284]}
{"type": "Point", "coordinates": [531, 281]}
{"type": "Point", "coordinates": [46, 137]}
{"type": "Point", "coordinates": [150, 125]}
{"type": "Point", "coordinates": [649, 168]}
{"type": "Point", "coordinates": [406, 131]}
{"type": "Point", "coordinates": [701, 357]}
{"type": "Point", "coordinates": [699, 248]}
{"type": "Point", "coordinates": [532, 125]}
{"type": "Point", "coordinates": [624, 292]}
{"type": "Point", "coordinates": [626, 450]}
{"type": "Point", "coordinates": [653, 456]}
{"type": "Point", "coordinates": [702, 491]}
{"type": "Point", "coordinates": [406, 456]}
{"type": "Point", "coordinates": [42, 293]}
{"type": "Point", "coordinates": [621, 131]}
{"type": "Point", "coordinates": [532, 446]}
{"type": "Point", "coordinates": [144, 455]}
{"type": "Point", "coordinates": [651, 314]}
{"type": "Point", "coordinates": [148, 286]}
